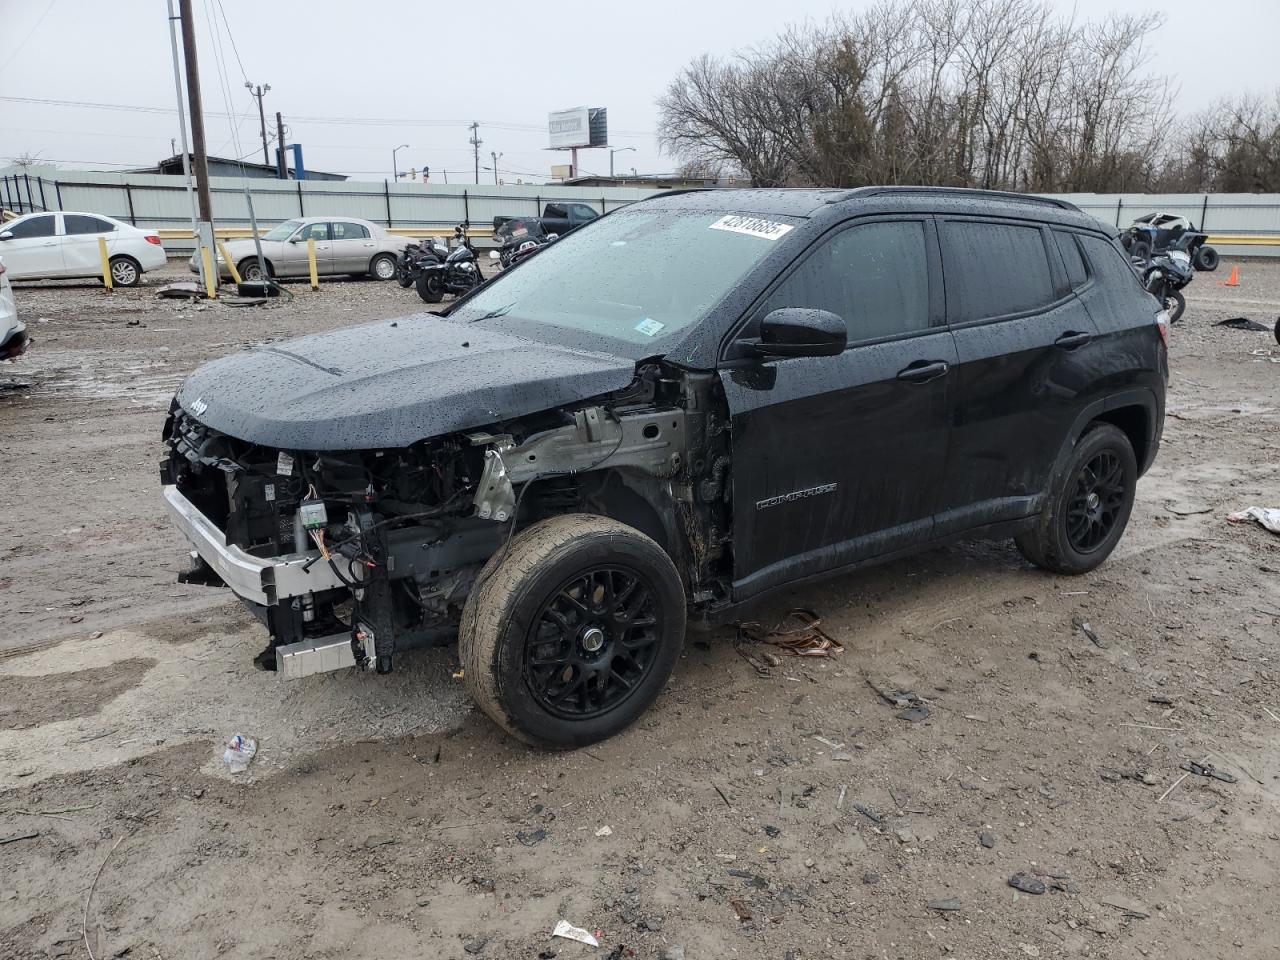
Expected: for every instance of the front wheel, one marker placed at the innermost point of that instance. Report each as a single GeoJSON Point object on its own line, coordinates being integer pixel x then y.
{"type": "Point", "coordinates": [125, 272]}
{"type": "Point", "coordinates": [1176, 304]}
{"type": "Point", "coordinates": [404, 276]}
{"type": "Point", "coordinates": [1088, 506]}
{"type": "Point", "coordinates": [571, 632]}
{"type": "Point", "coordinates": [431, 286]}
{"type": "Point", "coordinates": [383, 267]}
{"type": "Point", "coordinates": [251, 270]}
{"type": "Point", "coordinates": [1207, 259]}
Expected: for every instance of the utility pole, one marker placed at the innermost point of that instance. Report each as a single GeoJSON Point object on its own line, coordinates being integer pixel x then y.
{"type": "Point", "coordinates": [282, 161]}
{"type": "Point", "coordinates": [395, 171]}
{"type": "Point", "coordinates": [186, 157]}
{"type": "Point", "coordinates": [475, 142]}
{"type": "Point", "coordinates": [496, 157]}
{"type": "Point", "coordinates": [201, 157]}
{"type": "Point", "coordinates": [262, 116]}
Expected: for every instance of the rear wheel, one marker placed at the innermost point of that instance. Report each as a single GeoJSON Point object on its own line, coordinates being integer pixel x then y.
{"type": "Point", "coordinates": [1140, 249]}
{"type": "Point", "coordinates": [1088, 507]}
{"type": "Point", "coordinates": [383, 267]}
{"type": "Point", "coordinates": [572, 632]}
{"type": "Point", "coordinates": [125, 271]}
{"type": "Point", "coordinates": [1207, 259]}
{"type": "Point", "coordinates": [1176, 304]}
{"type": "Point", "coordinates": [431, 286]}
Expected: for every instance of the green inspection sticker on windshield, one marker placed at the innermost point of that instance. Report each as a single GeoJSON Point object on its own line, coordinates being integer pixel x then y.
{"type": "Point", "coordinates": [649, 327]}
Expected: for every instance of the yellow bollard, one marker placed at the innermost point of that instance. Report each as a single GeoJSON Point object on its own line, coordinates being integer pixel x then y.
{"type": "Point", "coordinates": [210, 275]}
{"type": "Point", "coordinates": [311, 260]}
{"type": "Point", "coordinates": [106, 263]}
{"type": "Point", "coordinates": [231, 267]}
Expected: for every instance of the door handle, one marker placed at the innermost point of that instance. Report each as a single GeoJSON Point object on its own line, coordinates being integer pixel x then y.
{"type": "Point", "coordinates": [922, 371]}
{"type": "Point", "coordinates": [1071, 339]}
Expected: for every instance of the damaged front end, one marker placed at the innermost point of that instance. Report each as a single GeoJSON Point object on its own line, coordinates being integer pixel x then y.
{"type": "Point", "coordinates": [349, 556]}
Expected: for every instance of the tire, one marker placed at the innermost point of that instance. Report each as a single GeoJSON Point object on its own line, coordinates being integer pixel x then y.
{"type": "Point", "coordinates": [1140, 249]}
{"type": "Point", "coordinates": [250, 270]}
{"type": "Point", "coordinates": [125, 272]}
{"type": "Point", "coordinates": [430, 287]}
{"type": "Point", "coordinates": [403, 276]}
{"type": "Point", "coordinates": [1176, 304]}
{"type": "Point", "coordinates": [1207, 259]}
{"type": "Point", "coordinates": [1073, 533]}
{"type": "Point", "coordinates": [383, 267]}
{"type": "Point", "coordinates": [523, 608]}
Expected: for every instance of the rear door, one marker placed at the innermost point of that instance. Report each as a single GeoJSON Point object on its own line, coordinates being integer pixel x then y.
{"type": "Point", "coordinates": [836, 459]}
{"type": "Point", "coordinates": [80, 233]}
{"type": "Point", "coordinates": [33, 248]}
{"type": "Point", "coordinates": [1027, 352]}
{"type": "Point", "coordinates": [352, 247]}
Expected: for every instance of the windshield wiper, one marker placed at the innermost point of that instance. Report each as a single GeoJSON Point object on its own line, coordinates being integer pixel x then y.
{"type": "Point", "coordinates": [494, 314]}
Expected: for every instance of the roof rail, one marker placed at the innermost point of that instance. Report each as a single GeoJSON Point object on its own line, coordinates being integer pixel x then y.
{"type": "Point", "coordinates": [961, 192]}
{"type": "Point", "coordinates": [674, 192]}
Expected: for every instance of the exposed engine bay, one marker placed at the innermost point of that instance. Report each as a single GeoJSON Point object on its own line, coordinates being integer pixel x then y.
{"type": "Point", "coordinates": [349, 556]}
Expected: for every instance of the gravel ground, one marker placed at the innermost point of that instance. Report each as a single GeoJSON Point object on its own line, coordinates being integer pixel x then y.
{"type": "Point", "coordinates": [782, 815]}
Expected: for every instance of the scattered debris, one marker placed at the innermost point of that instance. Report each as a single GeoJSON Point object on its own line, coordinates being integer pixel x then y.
{"type": "Point", "coordinates": [474, 946]}
{"type": "Point", "coordinates": [895, 697]}
{"type": "Point", "coordinates": [740, 908]}
{"type": "Point", "coordinates": [1031, 950]}
{"type": "Point", "coordinates": [1206, 770]}
{"type": "Point", "coordinates": [806, 640]}
{"type": "Point", "coordinates": [771, 832]}
{"type": "Point", "coordinates": [533, 838]}
{"type": "Point", "coordinates": [674, 952]}
{"type": "Point", "coordinates": [605, 831]}
{"type": "Point", "coordinates": [867, 812]}
{"type": "Point", "coordinates": [913, 714]}
{"type": "Point", "coordinates": [1131, 908]}
{"type": "Point", "coordinates": [567, 930]}
{"type": "Point", "coordinates": [19, 836]}
{"type": "Point", "coordinates": [239, 753]}
{"type": "Point", "coordinates": [1269, 517]}
{"type": "Point", "coordinates": [1087, 629]}
{"type": "Point", "coordinates": [1243, 323]}
{"type": "Point", "coordinates": [1027, 883]}
{"type": "Point", "coordinates": [986, 839]}
{"type": "Point", "coordinates": [904, 835]}
{"type": "Point", "coordinates": [945, 906]}
{"type": "Point", "coordinates": [1160, 699]}
{"type": "Point", "coordinates": [1189, 508]}
{"type": "Point", "coordinates": [181, 290]}
{"type": "Point", "coordinates": [870, 877]}
{"type": "Point", "coordinates": [829, 743]}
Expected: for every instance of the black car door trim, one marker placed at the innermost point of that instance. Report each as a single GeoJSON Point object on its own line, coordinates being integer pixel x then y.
{"type": "Point", "coordinates": [937, 301]}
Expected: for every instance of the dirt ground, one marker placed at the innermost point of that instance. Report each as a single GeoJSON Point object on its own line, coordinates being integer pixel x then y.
{"type": "Point", "coordinates": [787, 815]}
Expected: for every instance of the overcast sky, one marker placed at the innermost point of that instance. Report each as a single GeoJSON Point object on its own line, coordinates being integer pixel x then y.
{"type": "Point", "coordinates": [418, 73]}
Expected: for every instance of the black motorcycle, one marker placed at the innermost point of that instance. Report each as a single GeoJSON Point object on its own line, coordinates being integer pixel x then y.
{"type": "Point", "coordinates": [1164, 276]}
{"type": "Point", "coordinates": [415, 255]}
{"type": "Point", "coordinates": [458, 273]}
{"type": "Point", "coordinates": [516, 251]}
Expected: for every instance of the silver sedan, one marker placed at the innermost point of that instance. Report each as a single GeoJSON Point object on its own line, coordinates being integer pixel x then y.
{"type": "Point", "coordinates": [343, 245]}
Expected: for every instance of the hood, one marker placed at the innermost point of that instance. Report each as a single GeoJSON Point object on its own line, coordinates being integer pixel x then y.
{"type": "Point", "coordinates": [391, 383]}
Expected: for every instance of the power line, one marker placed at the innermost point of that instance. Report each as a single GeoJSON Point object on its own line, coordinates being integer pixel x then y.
{"type": "Point", "coordinates": [30, 33]}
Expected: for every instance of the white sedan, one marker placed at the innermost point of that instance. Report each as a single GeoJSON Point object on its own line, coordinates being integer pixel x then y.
{"type": "Point", "coordinates": [45, 246]}
{"type": "Point", "coordinates": [13, 332]}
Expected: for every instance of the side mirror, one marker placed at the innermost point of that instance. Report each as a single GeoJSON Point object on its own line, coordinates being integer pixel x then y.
{"type": "Point", "coordinates": [552, 236]}
{"type": "Point", "coordinates": [801, 332]}
{"type": "Point", "coordinates": [7, 235]}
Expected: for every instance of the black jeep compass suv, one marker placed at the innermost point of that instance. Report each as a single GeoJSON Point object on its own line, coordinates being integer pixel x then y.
{"type": "Point", "coordinates": [677, 408]}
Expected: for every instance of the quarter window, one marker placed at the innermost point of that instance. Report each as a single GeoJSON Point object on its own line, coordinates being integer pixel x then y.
{"type": "Point", "coordinates": [1071, 258]}
{"type": "Point", "coordinates": [76, 223]}
{"type": "Point", "coordinates": [34, 227]}
{"type": "Point", "coordinates": [994, 270]}
{"type": "Point", "coordinates": [875, 276]}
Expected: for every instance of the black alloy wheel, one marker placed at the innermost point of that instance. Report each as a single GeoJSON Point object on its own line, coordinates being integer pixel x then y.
{"type": "Point", "coordinates": [1097, 501]}
{"type": "Point", "coordinates": [593, 643]}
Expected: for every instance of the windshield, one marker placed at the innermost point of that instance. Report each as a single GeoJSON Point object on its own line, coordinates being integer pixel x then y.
{"type": "Point", "coordinates": [282, 232]}
{"type": "Point", "coordinates": [637, 275]}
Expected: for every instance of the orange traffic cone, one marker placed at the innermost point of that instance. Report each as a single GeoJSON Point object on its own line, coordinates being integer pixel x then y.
{"type": "Point", "coordinates": [1234, 279]}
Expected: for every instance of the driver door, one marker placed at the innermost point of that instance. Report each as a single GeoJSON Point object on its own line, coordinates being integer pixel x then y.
{"type": "Point", "coordinates": [295, 254]}
{"type": "Point", "coordinates": [840, 459]}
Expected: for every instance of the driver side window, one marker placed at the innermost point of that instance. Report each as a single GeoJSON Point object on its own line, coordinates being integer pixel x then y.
{"type": "Point", "coordinates": [314, 231]}
{"type": "Point", "coordinates": [875, 276]}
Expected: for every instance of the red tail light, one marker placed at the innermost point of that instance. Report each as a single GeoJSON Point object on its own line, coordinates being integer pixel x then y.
{"type": "Point", "coordinates": [152, 238]}
{"type": "Point", "coordinates": [1162, 323]}
{"type": "Point", "coordinates": [2, 268]}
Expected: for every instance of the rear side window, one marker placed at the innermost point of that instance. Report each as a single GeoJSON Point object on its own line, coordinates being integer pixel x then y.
{"type": "Point", "coordinates": [581, 211]}
{"type": "Point", "coordinates": [557, 210]}
{"type": "Point", "coordinates": [994, 269]}
{"type": "Point", "coordinates": [349, 231]}
{"type": "Point", "coordinates": [1071, 258]}
{"type": "Point", "coordinates": [1108, 262]}
{"type": "Point", "coordinates": [35, 227]}
{"type": "Point", "coordinates": [75, 223]}
{"type": "Point", "coordinates": [875, 276]}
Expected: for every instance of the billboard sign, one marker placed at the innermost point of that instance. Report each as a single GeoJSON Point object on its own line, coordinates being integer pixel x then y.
{"type": "Point", "coordinates": [579, 127]}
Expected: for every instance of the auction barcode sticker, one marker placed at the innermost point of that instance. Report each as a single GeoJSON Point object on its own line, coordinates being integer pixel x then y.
{"type": "Point", "coordinates": [752, 226]}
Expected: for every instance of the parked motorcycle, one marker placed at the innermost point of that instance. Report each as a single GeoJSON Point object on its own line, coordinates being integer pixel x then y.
{"type": "Point", "coordinates": [1164, 275]}
{"type": "Point", "coordinates": [411, 260]}
{"type": "Point", "coordinates": [459, 273]}
{"type": "Point", "coordinates": [513, 253]}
